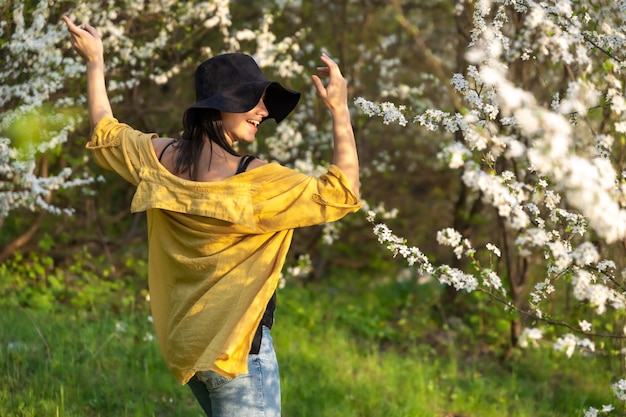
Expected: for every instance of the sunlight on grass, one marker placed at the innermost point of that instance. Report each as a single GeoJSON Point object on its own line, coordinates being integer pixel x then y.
{"type": "Point", "coordinates": [105, 363]}
{"type": "Point", "coordinates": [327, 371]}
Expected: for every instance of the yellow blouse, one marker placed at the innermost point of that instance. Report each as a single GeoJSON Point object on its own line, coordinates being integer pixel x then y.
{"type": "Point", "coordinates": [216, 249]}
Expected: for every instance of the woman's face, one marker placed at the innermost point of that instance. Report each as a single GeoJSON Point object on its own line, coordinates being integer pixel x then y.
{"type": "Point", "coordinates": [243, 126]}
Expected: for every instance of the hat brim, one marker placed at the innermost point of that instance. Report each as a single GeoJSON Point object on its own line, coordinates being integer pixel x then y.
{"type": "Point", "coordinates": [279, 101]}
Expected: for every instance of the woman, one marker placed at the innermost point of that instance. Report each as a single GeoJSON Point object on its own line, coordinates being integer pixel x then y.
{"type": "Point", "coordinates": [219, 224]}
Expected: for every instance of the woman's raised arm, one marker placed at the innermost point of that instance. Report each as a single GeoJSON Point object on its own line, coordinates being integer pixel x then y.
{"type": "Point", "coordinates": [335, 97]}
{"type": "Point", "coordinates": [87, 42]}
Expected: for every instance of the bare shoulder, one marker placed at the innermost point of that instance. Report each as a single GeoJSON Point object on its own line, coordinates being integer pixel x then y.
{"type": "Point", "coordinates": [256, 162]}
{"type": "Point", "coordinates": [160, 143]}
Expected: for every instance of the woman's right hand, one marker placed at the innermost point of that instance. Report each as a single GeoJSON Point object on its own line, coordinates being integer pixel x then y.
{"type": "Point", "coordinates": [86, 41]}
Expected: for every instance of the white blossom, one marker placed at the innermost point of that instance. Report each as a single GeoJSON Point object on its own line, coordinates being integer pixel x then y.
{"type": "Point", "coordinates": [585, 326]}
{"type": "Point", "coordinates": [530, 337]}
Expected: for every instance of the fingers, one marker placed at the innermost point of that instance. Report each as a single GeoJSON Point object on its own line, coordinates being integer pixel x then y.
{"type": "Point", "coordinates": [70, 25]}
{"type": "Point", "coordinates": [88, 28]}
{"type": "Point", "coordinates": [85, 40]}
{"type": "Point", "coordinates": [331, 68]}
{"type": "Point", "coordinates": [77, 30]}
{"type": "Point", "coordinates": [319, 86]}
{"type": "Point", "coordinates": [323, 70]}
{"type": "Point", "coordinates": [334, 93]}
{"type": "Point", "coordinates": [68, 21]}
{"type": "Point", "coordinates": [317, 82]}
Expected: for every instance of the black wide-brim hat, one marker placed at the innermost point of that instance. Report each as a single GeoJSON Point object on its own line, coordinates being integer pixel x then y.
{"type": "Point", "coordinates": [234, 83]}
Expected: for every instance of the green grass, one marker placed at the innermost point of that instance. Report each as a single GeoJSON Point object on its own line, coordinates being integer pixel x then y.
{"type": "Point", "coordinates": [75, 364]}
{"type": "Point", "coordinates": [330, 369]}
{"type": "Point", "coordinates": [334, 361]}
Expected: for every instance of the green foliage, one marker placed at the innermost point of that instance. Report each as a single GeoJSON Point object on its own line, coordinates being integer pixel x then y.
{"type": "Point", "coordinates": [399, 309]}
{"type": "Point", "coordinates": [37, 127]}
{"type": "Point", "coordinates": [37, 281]}
{"type": "Point", "coordinates": [72, 363]}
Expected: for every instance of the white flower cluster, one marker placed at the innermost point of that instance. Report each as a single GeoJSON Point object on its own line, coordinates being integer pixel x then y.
{"type": "Point", "coordinates": [492, 280]}
{"type": "Point", "coordinates": [594, 412]}
{"type": "Point", "coordinates": [388, 111]}
{"type": "Point", "coordinates": [590, 184]}
{"type": "Point", "coordinates": [31, 47]}
{"type": "Point", "coordinates": [303, 267]}
{"type": "Point", "coordinates": [585, 326]}
{"type": "Point", "coordinates": [619, 388]}
{"type": "Point", "coordinates": [493, 248]}
{"type": "Point", "coordinates": [447, 275]}
{"type": "Point", "coordinates": [587, 285]}
{"type": "Point", "coordinates": [272, 52]}
{"type": "Point", "coordinates": [506, 195]}
{"type": "Point", "coordinates": [285, 142]}
{"type": "Point", "coordinates": [530, 337]}
{"type": "Point", "coordinates": [398, 246]}
{"type": "Point", "coordinates": [452, 238]}
{"type": "Point", "coordinates": [569, 342]}
{"type": "Point", "coordinates": [456, 278]}
{"type": "Point", "coordinates": [455, 155]}
{"type": "Point", "coordinates": [587, 288]}
{"type": "Point", "coordinates": [22, 186]}
{"type": "Point", "coordinates": [432, 119]}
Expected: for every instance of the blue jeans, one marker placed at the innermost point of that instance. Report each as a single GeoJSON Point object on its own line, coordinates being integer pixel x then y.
{"type": "Point", "coordinates": [256, 394]}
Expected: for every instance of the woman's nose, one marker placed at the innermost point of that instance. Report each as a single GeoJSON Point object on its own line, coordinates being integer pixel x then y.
{"type": "Point", "coordinates": [261, 109]}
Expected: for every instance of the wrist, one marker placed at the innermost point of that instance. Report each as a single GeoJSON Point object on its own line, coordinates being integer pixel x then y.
{"type": "Point", "coordinates": [95, 64]}
{"type": "Point", "coordinates": [340, 113]}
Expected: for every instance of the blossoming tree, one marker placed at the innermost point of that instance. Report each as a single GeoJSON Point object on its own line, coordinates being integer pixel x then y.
{"type": "Point", "coordinates": [528, 111]}
{"type": "Point", "coordinates": [537, 133]}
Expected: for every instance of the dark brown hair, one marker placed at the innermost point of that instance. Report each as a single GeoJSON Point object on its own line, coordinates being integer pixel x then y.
{"type": "Point", "coordinates": [200, 126]}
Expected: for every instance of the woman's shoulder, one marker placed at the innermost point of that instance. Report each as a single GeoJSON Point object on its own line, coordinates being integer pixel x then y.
{"type": "Point", "coordinates": [256, 163]}
{"type": "Point", "coordinates": [271, 173]}
{"type": "Point", "coordinates": [159, 144]}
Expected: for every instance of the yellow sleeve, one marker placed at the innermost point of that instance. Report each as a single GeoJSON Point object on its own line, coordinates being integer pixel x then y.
{"type": "Point", "coordinates": [294, 200]}
{"type": "Point", "coordinates": [120, 148]}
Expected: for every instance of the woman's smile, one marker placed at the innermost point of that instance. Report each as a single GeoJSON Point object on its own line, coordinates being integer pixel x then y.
{"type": "Point", "coordinates": [244, 126]}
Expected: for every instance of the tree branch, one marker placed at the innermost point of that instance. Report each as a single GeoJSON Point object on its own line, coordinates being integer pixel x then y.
{"type": "Point", "coordinates": [431, 60]}
{"type": "Point", "coordinates": [23, 239]}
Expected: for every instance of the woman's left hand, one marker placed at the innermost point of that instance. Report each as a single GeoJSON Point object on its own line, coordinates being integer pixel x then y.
{"type": "Point", "coordinates": [86, 40]}
{"type": "Point", "coordinates": [335, 97]}
{"type": "Point", "coordinates": [335, 93]}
